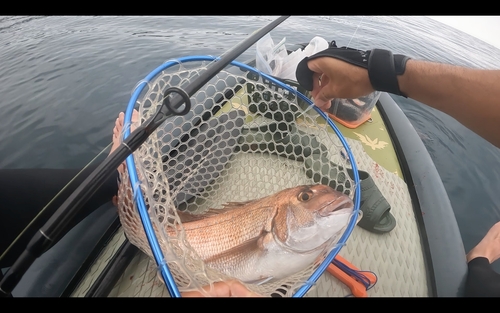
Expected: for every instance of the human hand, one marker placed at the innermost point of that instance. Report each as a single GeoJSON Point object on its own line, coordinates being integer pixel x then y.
{"type": "Point", "coordinates": [232, 288]}
{"type": "Point", "coordinates": [334, 78]}
{"type": "Point", "coordinates": [488, 247]}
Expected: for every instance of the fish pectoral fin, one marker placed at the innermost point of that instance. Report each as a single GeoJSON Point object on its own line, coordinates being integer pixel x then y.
{"type": "Point", "coordinates": [247, 248]}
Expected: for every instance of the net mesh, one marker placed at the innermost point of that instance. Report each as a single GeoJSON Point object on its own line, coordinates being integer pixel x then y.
{"type": "Point", "coordinates": [244, 138]}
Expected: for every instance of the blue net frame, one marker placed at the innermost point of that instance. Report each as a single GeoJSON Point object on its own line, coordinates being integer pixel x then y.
{"type": "Point", "coordinates": [141, 205]}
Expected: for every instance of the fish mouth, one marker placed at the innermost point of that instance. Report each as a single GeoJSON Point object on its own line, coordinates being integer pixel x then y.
{"type": "Point", "coordinates": [341, 203]}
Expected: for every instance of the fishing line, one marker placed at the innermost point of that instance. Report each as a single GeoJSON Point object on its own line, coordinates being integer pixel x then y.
{"type": "Point", "coordinates": [355, 31]}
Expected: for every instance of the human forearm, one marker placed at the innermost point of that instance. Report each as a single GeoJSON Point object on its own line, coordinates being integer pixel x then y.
{"type": "Point", "coordinates": [471, 96]}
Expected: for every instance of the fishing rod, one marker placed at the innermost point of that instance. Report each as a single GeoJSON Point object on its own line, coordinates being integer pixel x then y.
{"type": "Point", "coordinates": [180, 104]}
{"type": "Point", "coordinates": [51, 206]}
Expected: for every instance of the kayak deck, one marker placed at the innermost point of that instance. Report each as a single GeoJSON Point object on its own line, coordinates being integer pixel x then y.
{"type": "Point", "coordinates": [396, 258]}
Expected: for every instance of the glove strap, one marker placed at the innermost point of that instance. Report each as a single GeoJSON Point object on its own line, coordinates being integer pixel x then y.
{"type": "Point", "coordinates": [383, 69]}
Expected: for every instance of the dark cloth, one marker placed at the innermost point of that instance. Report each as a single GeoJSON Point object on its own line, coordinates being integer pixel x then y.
{"type": "Point", "coordinates": [482, 280]}
{"type": "Point", "coordinates": [25, 192]}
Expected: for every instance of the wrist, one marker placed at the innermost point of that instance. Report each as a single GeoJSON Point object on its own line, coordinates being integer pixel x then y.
{"type": "Point", "coordinates": [404, 79]}
{"type": "Point", "coordinates": [474, 255]}
{"type": "Point", "coordinates": [384, 69]}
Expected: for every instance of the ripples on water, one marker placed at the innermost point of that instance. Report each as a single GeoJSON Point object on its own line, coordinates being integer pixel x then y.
{"type": "Point", "coordinates": [63, 81]}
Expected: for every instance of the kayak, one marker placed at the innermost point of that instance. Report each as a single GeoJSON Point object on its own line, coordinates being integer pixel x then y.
{"type": "Point", "coordinates": [412, 244]}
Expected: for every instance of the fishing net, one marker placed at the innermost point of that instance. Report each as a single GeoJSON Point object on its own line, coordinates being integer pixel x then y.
{"type": "Point", "coordinates": [246, 136]}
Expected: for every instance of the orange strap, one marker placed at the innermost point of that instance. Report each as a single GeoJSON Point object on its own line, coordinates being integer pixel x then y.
{"type": "Point", "coordinates": [357, 288]}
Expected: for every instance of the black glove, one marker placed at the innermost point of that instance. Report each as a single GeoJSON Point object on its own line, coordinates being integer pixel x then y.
{"type": "Point", "coordinates": [383, 67]}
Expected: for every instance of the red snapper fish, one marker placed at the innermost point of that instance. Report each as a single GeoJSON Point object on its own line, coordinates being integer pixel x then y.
{"type": "Point", "coordinates": [259, 240]}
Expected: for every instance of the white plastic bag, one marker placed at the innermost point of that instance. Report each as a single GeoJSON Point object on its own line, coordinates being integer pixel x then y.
{"type": "Point", "coordinates": [270, 56]}
{"type": "Point", "coordinates": [274, 60]}
{"type": "Point", "coordinates": [289, 64]}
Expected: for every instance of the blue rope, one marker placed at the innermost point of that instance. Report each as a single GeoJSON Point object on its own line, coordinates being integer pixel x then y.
{"type": "Point", "coordinates": [151, 236]}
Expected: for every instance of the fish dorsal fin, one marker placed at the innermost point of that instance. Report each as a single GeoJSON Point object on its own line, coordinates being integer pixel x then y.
{"type": "Point", "coordinates": [234, 205]}
{"type": "Point", "coordinates": [187, 217]}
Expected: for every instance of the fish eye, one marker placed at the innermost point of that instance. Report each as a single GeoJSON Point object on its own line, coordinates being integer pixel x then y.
{"type": "Point", "coordinates": [305, 196]}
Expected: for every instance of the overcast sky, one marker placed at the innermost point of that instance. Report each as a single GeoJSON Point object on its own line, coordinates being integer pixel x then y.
{"type": "Point", "coordinates": [486, 28]}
